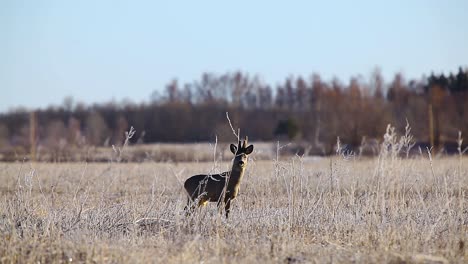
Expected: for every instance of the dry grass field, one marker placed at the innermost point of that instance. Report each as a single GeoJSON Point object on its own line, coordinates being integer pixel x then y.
{"type": "Point", "coordinates": [329, 210]}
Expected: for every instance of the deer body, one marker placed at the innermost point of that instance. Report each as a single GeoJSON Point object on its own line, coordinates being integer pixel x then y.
{"type": "Point", "coordinates": [212, 188]}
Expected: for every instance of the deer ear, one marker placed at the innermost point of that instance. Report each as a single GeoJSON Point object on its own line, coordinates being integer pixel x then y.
{"type": "Point", "coordinates": [233, 149]}
{"type": "Point", "coordinates": [249, 150]}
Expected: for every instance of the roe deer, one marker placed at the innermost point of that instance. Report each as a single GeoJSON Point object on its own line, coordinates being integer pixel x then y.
{"type": "Point", "coordinates": [210, 188]}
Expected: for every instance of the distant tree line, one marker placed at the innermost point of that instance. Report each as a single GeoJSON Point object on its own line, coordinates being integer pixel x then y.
{"type": "Point", "coordinates": [309, 110]}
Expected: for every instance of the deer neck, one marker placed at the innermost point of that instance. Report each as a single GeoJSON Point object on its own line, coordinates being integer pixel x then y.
{"type": "Point", "coordinates": [235, 177]}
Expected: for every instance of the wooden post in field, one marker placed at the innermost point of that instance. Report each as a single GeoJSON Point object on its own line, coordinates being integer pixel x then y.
{"type": "Point", "coordinates": [431, 126]}
{"type": "Point", "coordinates": [32, 135]}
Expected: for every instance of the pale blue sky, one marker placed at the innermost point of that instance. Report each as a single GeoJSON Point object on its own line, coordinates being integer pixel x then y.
{"type": "Point", "coordinates": [98, 50]}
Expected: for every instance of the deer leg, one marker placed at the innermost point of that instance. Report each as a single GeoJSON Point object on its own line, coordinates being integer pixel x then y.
{"type": "Point", "coordinates": [187, 206]}
{"type": "Point", "coordinates": [227, 206]}
{"type": "Point", "coordinates": [219, 205]}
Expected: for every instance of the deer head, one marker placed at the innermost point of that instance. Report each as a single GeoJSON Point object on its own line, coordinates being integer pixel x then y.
{"type": "Point", "coordinates": [241, 152]}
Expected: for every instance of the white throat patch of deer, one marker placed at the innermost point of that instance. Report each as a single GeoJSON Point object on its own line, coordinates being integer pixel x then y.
{"type": "Point", "coordinates": [221, 188]}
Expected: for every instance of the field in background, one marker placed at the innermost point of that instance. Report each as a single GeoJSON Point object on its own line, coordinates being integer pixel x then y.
{"type": "Point", "coordinates": [334, 209]}
{"type": "Point", "coordinates": [158, 152]}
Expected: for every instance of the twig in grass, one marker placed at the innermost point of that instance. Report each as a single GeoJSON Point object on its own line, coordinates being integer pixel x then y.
{"type": "Point", "coordinates": [79, 182]}
{"type": "Point", "coordinates": [431, 232]}
{"type": "Point", "coordinates": [429, 151]}
{"type": "Point", "coordinates": [314, 206]}
{"type": "Point", "coordinates": [77, 219]}
{"type": "Point", "coordinates": [119, 151]}
{"type": "Point", "coordinates": [460, 152]}
{"type": "Point", "coordinates": [237, 135]}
